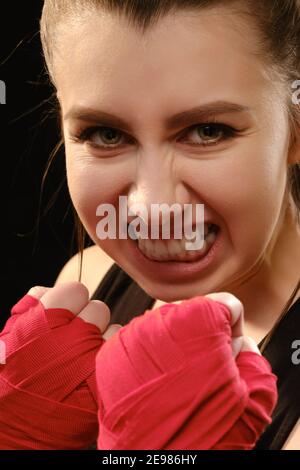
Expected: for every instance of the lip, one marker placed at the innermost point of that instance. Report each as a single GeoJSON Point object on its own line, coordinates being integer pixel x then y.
{"type": "Point", "coordinates": [173, 270]}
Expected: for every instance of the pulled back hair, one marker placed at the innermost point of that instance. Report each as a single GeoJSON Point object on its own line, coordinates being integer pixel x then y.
{"type": "Point", "coordinates": [278, 27]}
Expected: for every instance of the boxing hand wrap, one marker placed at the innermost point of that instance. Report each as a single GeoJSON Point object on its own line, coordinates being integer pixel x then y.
{"type": "Point", "coordinates": [48, 396]}
{"type": "Point", "coordinates": [168, 380]}
{"type": "Point", "coordinates": [262, 394]}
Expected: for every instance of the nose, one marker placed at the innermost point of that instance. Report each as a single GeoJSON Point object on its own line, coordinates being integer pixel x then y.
{"type": "Point", "coordinates": [158, 194]}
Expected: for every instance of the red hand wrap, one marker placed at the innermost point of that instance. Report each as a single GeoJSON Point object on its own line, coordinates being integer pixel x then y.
{"type": "Point", "coordinates": [168, 380]}
{"type": "Point", "coordinates": [48, 391]}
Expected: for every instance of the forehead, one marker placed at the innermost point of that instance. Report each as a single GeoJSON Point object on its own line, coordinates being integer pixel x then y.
{"type": "Point", "coordinates": [208, 55]}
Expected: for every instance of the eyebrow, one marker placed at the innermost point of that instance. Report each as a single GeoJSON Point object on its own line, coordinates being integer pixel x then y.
{"type": "Point", "coordinates": [185, 118]}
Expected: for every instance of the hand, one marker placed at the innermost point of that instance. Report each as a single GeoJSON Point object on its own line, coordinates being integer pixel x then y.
{"type": "Point", "coordinates": [48, 392]}
{"type": "Point", "coordinates": [239, 342]}
{"type": "Point", "coordinates": [173, 379]}
{"type": "Point", "coordinates": [74, 296]}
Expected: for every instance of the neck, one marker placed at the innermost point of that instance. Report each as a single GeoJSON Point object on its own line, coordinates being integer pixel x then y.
{"type": "Point", "coordinates": [266, 293]}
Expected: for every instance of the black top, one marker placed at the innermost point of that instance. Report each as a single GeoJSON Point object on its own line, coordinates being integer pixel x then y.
{"type": "Point", "coordinates": [126, 299]}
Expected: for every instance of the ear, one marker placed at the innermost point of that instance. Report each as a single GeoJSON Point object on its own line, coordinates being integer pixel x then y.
{"type": "Point", "coordinates": [294, 156]}
{"type": "Point", "coordinates": [294, 150]}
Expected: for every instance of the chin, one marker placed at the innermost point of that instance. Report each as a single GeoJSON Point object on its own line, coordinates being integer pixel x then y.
{"type": "Point", "coordinates": [170, 293]}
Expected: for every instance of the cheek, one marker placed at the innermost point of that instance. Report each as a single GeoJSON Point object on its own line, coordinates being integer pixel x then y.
{"type": "Point", "coordinates": [92, 183]}
{"type": "Point", "coordinates": [244, 188]}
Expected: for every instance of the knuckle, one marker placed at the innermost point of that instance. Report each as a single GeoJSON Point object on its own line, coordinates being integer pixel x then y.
{"type": "Point", "coordinates": [37, 290]}
{"type": "Point", "coordinates": [74, 285]}
{"type": "Point", "coordinates": [69, 295]}
{"type": "Point", "coordinates": [231, 301]}
{"type": "Point", "coordinates": [102, 307]}
{"type": "Point", "coordinates": [223, 296]}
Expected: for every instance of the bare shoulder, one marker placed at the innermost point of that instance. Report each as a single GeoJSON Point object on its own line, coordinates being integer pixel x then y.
{"type": "Point", "coordinates": [95, 264]}
{"type": "Point", "coordinates": [293, 441]}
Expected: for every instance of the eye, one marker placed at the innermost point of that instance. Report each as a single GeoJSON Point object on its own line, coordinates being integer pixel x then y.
{"type": "Point", "coordinates": [210, 134]}
{"type": "Point", "coordinates": [101, 137]}
{"type": "Point", "coordinates": [109, 138]}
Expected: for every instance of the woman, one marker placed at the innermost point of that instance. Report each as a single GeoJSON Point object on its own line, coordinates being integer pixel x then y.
{"type": "Point", "coordinates": [200, 94]}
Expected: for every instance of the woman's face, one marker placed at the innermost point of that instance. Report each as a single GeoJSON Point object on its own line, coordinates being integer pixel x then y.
{"type": "Point", "coordinates": [236, 168]}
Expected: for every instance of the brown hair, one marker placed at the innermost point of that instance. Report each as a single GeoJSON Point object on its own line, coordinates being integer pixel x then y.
{"type": "Point", "coordinates": [278, 25]}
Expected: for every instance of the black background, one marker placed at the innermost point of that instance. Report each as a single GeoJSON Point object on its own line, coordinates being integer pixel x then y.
{"type": "Point", "coordinates": [35, 243]}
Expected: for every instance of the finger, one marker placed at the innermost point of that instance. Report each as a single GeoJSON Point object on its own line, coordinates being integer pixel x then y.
{"type": "Point", "coordinates": [250, 345]}
{"type": "Point", "coordinates": [97, 313]}
{"type": "Point", "coordinates": [111, 331]}
{"type": "Point", "coordinates": [72, 296]}
{"type": "Point", "coordinates": [236, 345]}
{"type": "Point", "coordinates": [38, 291]}
{"type": "Point", "coordinates": [236, 308]}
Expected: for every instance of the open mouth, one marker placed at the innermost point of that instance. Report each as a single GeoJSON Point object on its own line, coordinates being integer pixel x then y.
{"type": "Point", "coordinates": [176, 250]}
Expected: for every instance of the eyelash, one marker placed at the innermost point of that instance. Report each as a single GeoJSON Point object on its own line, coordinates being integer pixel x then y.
{"type": "Point", "coordinates": [228, 132]}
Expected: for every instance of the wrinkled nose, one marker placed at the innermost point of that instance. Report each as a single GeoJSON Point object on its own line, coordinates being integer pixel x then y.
{"type": "Point", "coordinates": [158, 197]}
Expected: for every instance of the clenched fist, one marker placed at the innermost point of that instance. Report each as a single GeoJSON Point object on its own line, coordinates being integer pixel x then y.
{"type": "Point", "coordinates": [183, 376]}
{"type": "Point", "coordinates": [48, 396]}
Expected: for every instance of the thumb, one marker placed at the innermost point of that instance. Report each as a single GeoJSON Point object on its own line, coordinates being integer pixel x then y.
{"type": "Point", "coordinates": [250, 345]}
{"type": "Point", "coordinates": [236, 345]}
{"type": "Point", "coordinates": [111, 331]}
